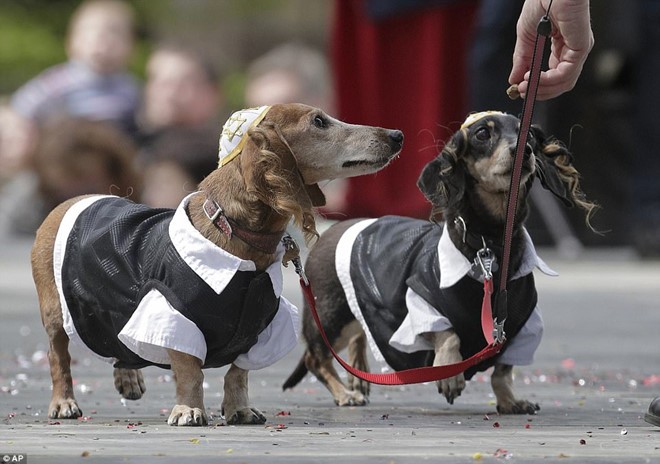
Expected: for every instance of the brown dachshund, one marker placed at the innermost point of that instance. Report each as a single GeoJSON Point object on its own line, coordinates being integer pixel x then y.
{"type": "Point", "coordinates": [198, 286]}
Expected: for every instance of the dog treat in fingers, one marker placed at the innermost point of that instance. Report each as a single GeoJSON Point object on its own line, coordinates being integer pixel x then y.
{"type": "Point", "coordinates": [513, 92]}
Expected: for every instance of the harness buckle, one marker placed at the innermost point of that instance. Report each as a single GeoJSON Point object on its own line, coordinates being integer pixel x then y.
{"type": "Point", "coordinates": [498, 331]}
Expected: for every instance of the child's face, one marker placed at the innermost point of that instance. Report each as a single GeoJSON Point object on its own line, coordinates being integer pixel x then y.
{"type": "Point", "coordinates": [176, 91]}
{"type": "Point", "coordinates": [103, 40]}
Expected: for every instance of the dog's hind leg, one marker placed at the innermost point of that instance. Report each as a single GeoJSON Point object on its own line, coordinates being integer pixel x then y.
{"type": "Point", "coordinates": [189, 378]}
{"type": "Point", "coordinates": [129, 383]}
{"type": "Point", "coordinates": [447, 351]}
{"type": "Point", "coordinates": [319, 361]}
{"type": "Point", "coordinates": [502, 383]}
{"type": "Point", "coordinates": [236, 403]}
{"type": "Point", "coordinates": [357, 357]}
{"type": "Point", "coordinates": [63, 405]}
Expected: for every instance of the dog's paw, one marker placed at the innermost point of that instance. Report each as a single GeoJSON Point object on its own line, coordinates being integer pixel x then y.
{"type": "Point", "coordinates": [185, 415]}
{"type": "Point", "coordinates": [352, 398]}
{"type": "Point", "coordinates": [452, 387]}
{"type": "Point", "coordinates": [129, 383]}
{"type": "Point", "coordinates": [64, 408]}
{"type": "Point", "coordinates": [359, 386]}
{"type": "Point", "coordinates": [518, 407]}
{"type": "Point", "coordinates": [245, 416]}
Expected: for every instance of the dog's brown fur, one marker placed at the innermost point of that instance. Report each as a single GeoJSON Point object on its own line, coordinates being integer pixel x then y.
{"type": "Point", "coordinates": [469, 178]}
{"type": "Point", "coordinates": [272, 182]}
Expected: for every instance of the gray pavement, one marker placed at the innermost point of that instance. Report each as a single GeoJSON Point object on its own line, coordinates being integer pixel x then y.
{"type": "Point", "coordinates": [596, 371]}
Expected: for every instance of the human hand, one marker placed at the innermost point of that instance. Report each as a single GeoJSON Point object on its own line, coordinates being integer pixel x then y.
{"type": "Point", "coordinates": [571, 42]}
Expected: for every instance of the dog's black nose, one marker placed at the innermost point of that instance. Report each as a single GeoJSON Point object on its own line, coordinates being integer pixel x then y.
{"type": "Point", "coordinates": [396, 136]}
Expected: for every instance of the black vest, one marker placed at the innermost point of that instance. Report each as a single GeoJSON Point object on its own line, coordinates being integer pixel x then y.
{"type": "Point", "coordinates": [395, 253]}
{"type": "Point", "coordinates": [118, 251]}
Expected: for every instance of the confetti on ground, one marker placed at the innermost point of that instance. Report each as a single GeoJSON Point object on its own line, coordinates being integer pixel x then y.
{"type": "Point", "coordinates": [568, 363]}
{"type": "Point", "coordinates": [583, 441]}
{"type": "Point", "coordinates": [477, 456]}
{"type": "Point", "coordinates": [496, 424]}
{"type": "Point", "coordinates": [283, 413]}
{"type": "Point", "coordinates": [651, 380]}
{"type": "Point", "coordinates": [194, 441]}
{"type": "Point", "coordinates": [624, 432]}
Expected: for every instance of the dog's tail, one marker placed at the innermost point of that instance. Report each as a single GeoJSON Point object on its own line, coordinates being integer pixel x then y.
{"type": "Point", "coordinates": [297, 375]}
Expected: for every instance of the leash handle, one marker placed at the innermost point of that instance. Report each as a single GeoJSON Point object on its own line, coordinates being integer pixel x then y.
{"type": "Point", "coordinates": [543, 30]}
{"type": "Point", "coordinates": [420, 374]}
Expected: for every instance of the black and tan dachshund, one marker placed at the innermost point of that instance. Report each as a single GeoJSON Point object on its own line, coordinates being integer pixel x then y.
{"type": "Point", "coordinates": [412, 289]}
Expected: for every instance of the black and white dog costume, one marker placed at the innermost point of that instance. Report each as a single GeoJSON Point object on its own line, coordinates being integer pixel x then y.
{"type": "Point", "coordinates": [404, 277]}
{"type": "Point", "coordinates": [134, 281]}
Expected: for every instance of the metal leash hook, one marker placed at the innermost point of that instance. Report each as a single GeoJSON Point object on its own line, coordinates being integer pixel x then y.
{"type": "Point", "coordinates": [292, 254]}
{"type": "Point", "coordinates": [487, 263]}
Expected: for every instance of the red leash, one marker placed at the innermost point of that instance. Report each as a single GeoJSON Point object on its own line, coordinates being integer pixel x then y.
{"type": "Point", "coordinates": [493, 331]}
{"type": "Point", "coordinates": [420, 374]}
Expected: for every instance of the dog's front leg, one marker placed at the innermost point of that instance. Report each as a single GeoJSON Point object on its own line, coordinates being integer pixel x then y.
{"type": "Point", "coordinates": [236, 403]}
{"type": "Point", "coordinates": [189, 379]}
{"type": "Point", "coordinates": [502, 383]}
{"type": "Point", "coordinates": [447, 351]}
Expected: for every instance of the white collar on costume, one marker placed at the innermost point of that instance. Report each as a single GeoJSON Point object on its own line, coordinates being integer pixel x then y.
{"type": "Point", "coordinates": [210, 262]}
{"type": "Point", "coordinates": [454, 266]}
{"type": "Point", "coordinates": [234, 132]}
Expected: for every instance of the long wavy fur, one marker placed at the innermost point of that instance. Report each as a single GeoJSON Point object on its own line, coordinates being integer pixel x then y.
{"type": "Point", "coordinates": [277, 181]}
{"type": "Point", "coordinates": [571, 177]}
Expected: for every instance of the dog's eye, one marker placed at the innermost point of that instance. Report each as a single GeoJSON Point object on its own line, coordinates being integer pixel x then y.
{"type": "Point", "coordinates": [482, 134]}
{"type": "Point", "coordinates": [320, 122]}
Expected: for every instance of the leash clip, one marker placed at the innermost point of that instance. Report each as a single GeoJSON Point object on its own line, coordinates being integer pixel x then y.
{"type": "Point", "coordinates": [498, 331]}
{"type": "Point", "coordinates": [292, 251]}
{"type": "Point", "coordinates": [486, 262]}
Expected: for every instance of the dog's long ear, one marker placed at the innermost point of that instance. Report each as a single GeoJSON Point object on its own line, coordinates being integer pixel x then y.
{"type": "Point", "coordinates": [555, 170]}
{"type": "Point", "coordinates": [549, 154]}
{"type": "Point", "coordinates": [271, 174]}
{"type": "Point", "coordinates": [443, 180]}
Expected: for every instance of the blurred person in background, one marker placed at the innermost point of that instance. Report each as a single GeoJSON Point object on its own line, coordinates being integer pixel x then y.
{"type": "Point", "coordinates": [176, 164]}
{"type": "Point", "coordinates": [296, 73]}
{"type": "Point", "coordinates": [290, 73]}
{"type": "Point", "coordinates": [74, 156]}
{"type": "Point", "coordinates": [645, 178]}
{"type": "Point", "coordinates": [179, 123]}
{"type": "Point", "coordinates": [181, 91]}
{"type": "Point", "coordinates": [94, 83]}
{"type": "Point", "coordinates": [402, 64]}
